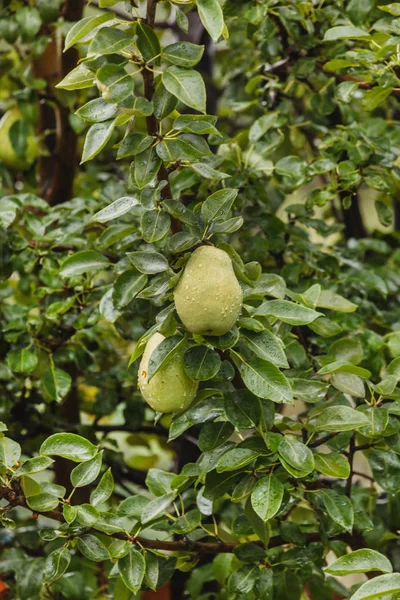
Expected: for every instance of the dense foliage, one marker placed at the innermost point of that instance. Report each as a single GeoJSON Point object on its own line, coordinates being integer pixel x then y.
{"type": "Point", "coordinates": [283, 474]}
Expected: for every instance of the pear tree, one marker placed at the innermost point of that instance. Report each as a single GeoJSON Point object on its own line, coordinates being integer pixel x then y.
{"type": "Point", "coordinates": [199, 300]}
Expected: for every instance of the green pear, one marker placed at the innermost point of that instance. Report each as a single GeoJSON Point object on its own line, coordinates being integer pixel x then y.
{"type": "Point", "coordinates": [208, 297]}
{"type": "Point", "coordinates": [170, 389]}
{"type": "Point", "coordinates": [8, 156]}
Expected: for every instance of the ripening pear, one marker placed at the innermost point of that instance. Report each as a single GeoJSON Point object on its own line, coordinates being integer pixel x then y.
{"type": "Point", "coordinates": [8, 156]}
{"type": "Point", "coordinates": [170, 389]}
{"type": "Point", "coordinates": [208, 297]}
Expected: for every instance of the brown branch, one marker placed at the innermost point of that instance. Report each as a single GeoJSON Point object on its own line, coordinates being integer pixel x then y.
{"type": "Point", "coordinates": [364, 475]}
{"type": "Point", "coordinates": [365, 85]}
{"type": "Point", "coordinates": [16, 498]}
{"type": "Point", "coordinates": [323, 440]}
{"type": "Point", "coordinates": [48, 246]}
{"type": "Point", "coordinates": [151, 120]}
{"type": "Point", "coordinates": [351, 461]}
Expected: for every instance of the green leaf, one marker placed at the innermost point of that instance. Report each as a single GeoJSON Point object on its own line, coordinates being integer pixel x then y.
{"type": "Point", "coordinates": [344, 32]}
{"type": "Point", "coordinates": [22, 361]}
{"type": "Point", "coordinates": [360, 561]}
{"type": "Point", "coordinates": [393, 9]}
{"type": "Point", "coordinates": [213, 435]}
{"type": "Point", "coordinates": [249, 552]}
{"type": "Point", "coordinates": [183, 54]}
{"type": "Point", "coordinates": [385, 465]}
{"type": "Point", "coordinates": [92, 548]}
{"type": "Point", "coordinates": [78, 79]}
{"type": "Point", "coordinates": [333, 301]}
{"type": "Point", "coordinates": [187, 522]}
{"type": "Point", "coordinates": [349, 384]}
{"type": "Point", "coordinates": [147, 41]}
{"type": "Point", "coordinates": [186, 85]}
{"type": "Point", "coordinates": [155, 224]}
{"type": "Point", "coordinates": [267, 496]}
{"type": "Point", "coordinates": [186, 147]}
{"type": "Point", "coordinates": [266, 345]}
{"type": "Point", "coordinates": [115, 209]}
{"type": "Point", "coordinates": [87, 471]}
{"type": "Point", "coordinates": [29, 21]}
{"type": "Point", "coordinates": [373, 98]}
{"type": "Point", "coordinates": [383, 586]}
{"type": "Point", "coordinates": [34, 465]}
{"type": "Point", "coordinates": [127, 286]}
{"type": "Point", "coordinates": [85, 261]}
{"type": "Point", "coordinates": [146, 167]}
{"type": "Point", "coordinates": [164, 352]}
{"type": "Point", "coordinates": [199, 124]}
{"type": "Point", "coordinates": [109, 40]}
{"type": "Point", "coordinates": [155, 507]}
{"type": "Point", "coordinates": [243, 580]}
{"type": "Point", "coordinates": [70, 446]}
{"type": "Point", "coordinates": [332, 464]}
{"type": "Point", "coordinates": [243, 409]}
{"type": "Point", "coordinates": [339, 418]}
{"type": "Point", "coordinates": [325, 327]}
{"type": "Point", "coordinates": [10, 451]}
{"type": "Point", "coordinates": [57, 562]}
{"type": "Point", "coordinates": [163, 101]}
{"type": "Point", "coordinates": [104, 490]}
{"type": "Point", "coordinates": [96, 139]}
{"type": "Point", "coordinates": [115, 84]}
{"type": "Point", "coordinates": [261, 126]}
{"type": "Point", "coordinates": [288, 312]}
{"type": "Point", "coordinates": [55, 384]}
{"type": "Point", "coordinates": [218, 205]}
{"type": "Point", "coordinates": [87, 515]}
{"type": "Point", "coordinates": [339, 508]}
{"type": "Point", "coordinates": [265, 380]}
{"type": "Point", "coordinates": [235, 459]}
{"type": "Point", "coordinates": [347, 350]}
{"type": "Point", "coordinates": [211, 15]}
{"type": "Point", "coordinates": [83, 27]}
{"type": "Point", "coordinates": [70, 513]}
{"type": "Point", "coordinates": [182, 20]}
{"type": "Point", "coordinates": [201, 363]}
{"type": "Point", "coordinates": [107, 309]}
{"type": "Point", "coordinates": [134, 144]}
{"type": "Point", "coordinates": [228, 226]}
{"type": "Point", "coordinates": [344, 367]}
{"type": "Point", "coordinates": [132, 506]}
{"type": "Point", "coordinates": [181, 241]}
{"type": "Point", "coordinates": [148, 262]}
{"type": "Point", "coordinates": [204, 170]}
{"type": "Point", "coordinates": [132, 568]}
{"type": "Point", "coordinates": [296, 454]}
{"type": "Point", "coordinates": [43, 502]}
{"type": "Point", "coordinates": [309, 390]}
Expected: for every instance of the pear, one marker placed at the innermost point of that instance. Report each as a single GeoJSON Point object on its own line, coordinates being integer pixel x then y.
{"type": "Point", "coordinates": [170, 389]}
{"type": "Point", "coordinates": [208, 297]}
{"type": "Point", "coordinates": [8, 156]}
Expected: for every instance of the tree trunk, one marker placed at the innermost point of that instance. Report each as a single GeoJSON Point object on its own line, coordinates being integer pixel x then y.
{"type": "Point", "coordinates": [57, 169]}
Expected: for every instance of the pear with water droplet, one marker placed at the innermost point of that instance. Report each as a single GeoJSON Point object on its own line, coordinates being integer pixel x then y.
{"type": "Point", "coordinates": [208, 297]}
{"type": "Point", "coordinates": [170, 389]}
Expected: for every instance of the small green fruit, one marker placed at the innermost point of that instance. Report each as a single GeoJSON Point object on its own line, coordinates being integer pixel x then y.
{"type": "Point", "coordinates": [8, 156]}
{"type": "Point", "coordinates": [208, 297]}
{"type": "Point", "coordinates": [170, 389]}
